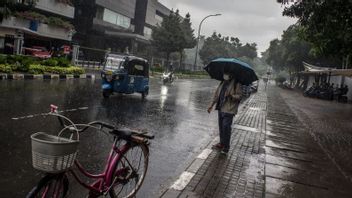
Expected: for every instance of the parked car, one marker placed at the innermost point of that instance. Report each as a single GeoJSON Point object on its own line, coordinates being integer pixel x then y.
{"type": "Point", "coordinates": [38, 51]}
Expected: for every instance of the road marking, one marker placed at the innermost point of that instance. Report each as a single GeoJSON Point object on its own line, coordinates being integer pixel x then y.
{"type": "Point", "coordinates": [82, 108]}
{"type": "Point", "coordinates": [45, 114]}
{"type": "Point", "coordinates": [246, 128]}
{"type": "Point", "coordinates": [182, 181]}
{"type": "Point", "coordinates": [205, 153]}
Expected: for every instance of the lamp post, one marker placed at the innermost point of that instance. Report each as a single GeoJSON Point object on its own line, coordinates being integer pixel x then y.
{"type": "Point", "coordinates": [200, 26]}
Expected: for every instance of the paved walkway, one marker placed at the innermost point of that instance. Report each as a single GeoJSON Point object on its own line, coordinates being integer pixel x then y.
{"type": "Point", "coordinates": [272, 155]}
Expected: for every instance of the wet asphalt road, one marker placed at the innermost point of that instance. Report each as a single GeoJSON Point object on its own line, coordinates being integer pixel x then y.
{"type": "Point", "coordinates": [176, 114]}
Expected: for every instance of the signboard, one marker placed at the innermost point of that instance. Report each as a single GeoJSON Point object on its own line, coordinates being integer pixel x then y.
{"type": "Point", "coordinates": [67, 49]}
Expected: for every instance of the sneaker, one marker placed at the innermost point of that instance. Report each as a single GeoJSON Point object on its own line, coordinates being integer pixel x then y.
{"type": "Point", "coordinates": [223, 152]}
{"type": "Point", "coordinates": [218, 147]}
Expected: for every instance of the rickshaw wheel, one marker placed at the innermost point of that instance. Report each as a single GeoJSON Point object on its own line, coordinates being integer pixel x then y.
{"type": "Point", "coordinates": [106, 93]}
{"type": "Point", "coordinates": [144, 94]}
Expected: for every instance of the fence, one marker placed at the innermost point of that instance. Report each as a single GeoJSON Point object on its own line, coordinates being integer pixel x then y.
{"type": "Point", "coordinates": [89, 64]}
{"type": "Point", "coordinates": [154, 63]}
{"type": "Point", "coordinates": [160, 62]}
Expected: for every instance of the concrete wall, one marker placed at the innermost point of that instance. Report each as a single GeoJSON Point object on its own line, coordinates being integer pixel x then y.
{"type": "Point", "coordinates": [43, 29]}
{"type": "Point", "coordinates": [4, 31]}
{"type": "Point", "coordinates": [124, 7]}
{"type": "Point", "coordinates": [151, 10]}
{"type": "Point", "coordinates": [56, 7]}
{"type": "Point", "coordinates": [153, 7]}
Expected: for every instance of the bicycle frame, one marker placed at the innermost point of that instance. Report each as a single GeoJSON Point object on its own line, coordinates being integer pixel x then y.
{"type": "Point", "coordinates": [104, 180]}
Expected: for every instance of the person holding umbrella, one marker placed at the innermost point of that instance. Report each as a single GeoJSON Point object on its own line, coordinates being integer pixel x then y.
{"type": "Point", "coordinates": [232, 73]}
{"type": "Point", "coordinates": [227, 98]}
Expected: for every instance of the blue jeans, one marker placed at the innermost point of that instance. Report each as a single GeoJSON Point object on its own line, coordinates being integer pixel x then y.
{"type": "Point", "coordinates": [225, 122]}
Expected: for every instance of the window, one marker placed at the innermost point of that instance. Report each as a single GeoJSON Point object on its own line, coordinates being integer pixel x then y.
{"type": "Point", "coordinates": [109, 16]}
{"type": "Point", "coordinates": [116, 18]}
{"type": "Point", "coordinates": [147, 32]}
{"type": "Point", "coordinates": [159, 19]}
{"type": "Point", "coordinates": [114, 63]}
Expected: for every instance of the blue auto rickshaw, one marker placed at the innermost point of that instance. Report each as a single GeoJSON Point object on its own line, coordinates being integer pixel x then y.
{"type": "Point", "coordinates": [125, 74]}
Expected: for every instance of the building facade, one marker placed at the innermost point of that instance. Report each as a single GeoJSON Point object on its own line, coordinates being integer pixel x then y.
{"type": "Point", "coordinates": [47, 25]}
{"type": "Point", "coordinates": [121, 26]}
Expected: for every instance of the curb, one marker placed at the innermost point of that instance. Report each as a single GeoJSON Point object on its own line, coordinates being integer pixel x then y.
{"type": "Point", "coordinates": [44, 76]}
{"type": "Point", "coordinates": [178, 186]}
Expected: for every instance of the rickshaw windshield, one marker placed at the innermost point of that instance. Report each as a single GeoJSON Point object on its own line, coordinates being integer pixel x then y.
{"type": "Point", "coordinates": [113, 63]}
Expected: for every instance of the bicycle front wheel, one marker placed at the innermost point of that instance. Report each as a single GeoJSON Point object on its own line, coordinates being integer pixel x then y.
{"type": "Point", "coordinates": [130, 172]}
{"type": "Point", "coordinates": [50, 186]}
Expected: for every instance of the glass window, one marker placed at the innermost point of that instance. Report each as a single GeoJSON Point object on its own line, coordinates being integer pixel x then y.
{"type": "Point", "coordinates": [114, 63]}
{"type": "Point", "coordinates": [159, 18]}
{"type": "Point", "coordinates": [109, 16]}
{"type": "Point", "coordinates": [116, 18]}
{"type": "Point", "coordinates": [147, 32]}
{"type": "Point", "coordinates": [139, 67]}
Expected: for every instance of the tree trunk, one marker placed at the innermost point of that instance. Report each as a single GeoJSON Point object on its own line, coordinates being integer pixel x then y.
{"type": "Point", "coordinates": [181, 59]}
{"type": "Point", "coordinates": [167, 60]}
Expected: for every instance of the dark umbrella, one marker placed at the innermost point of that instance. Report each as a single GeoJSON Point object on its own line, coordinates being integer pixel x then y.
{"type": "Point", "coordinates": [241, 71]}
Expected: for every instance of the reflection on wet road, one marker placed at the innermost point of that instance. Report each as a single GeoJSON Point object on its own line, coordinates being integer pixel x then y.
{"type": "Point", "coordinates": [174, 113]}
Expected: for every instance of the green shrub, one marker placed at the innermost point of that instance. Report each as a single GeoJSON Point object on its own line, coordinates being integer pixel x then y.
{"type": "Point", "coordinates": [63, 62]}
{"type": "Point", "coordinates": [187, 72]}
{"type": "Point", "coordinates": [157, 69]}
{"type": "Point", "coordinates": [2, 59]}
{"type": "Point", "coordinates": [36, 69]}
{"type": "Point", "coordinates": [75, 70]}
{"type": "Point", "coordinates": [15, 66]}
{"type": "Point", "coordinates": [4, 68]}
{"type": "Point", "coordinates": [59, 22]}
{"type": "Point", "coordinates": [13, 59]}
{"type": "Point", "coordinates": [19, 62]}
{"type": "Point", "coordinates": [58, 70]}
{"type": "Point", "coordinates": [50, 62]}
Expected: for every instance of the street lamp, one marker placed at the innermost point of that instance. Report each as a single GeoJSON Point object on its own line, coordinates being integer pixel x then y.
{"type": "Point", "coordinates": [200, 26]}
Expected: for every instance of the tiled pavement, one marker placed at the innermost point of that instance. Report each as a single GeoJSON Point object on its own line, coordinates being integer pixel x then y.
{"type": "Point", "coordinates": [271, 155]}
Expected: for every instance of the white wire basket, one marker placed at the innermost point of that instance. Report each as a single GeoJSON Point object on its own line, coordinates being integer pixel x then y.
{"type": "Point", "coordinates": [53, 154]}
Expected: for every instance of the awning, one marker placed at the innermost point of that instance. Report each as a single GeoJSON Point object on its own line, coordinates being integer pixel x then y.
{"type": "Point", "coordinates": [137, 37]}
{"type": "Point", "coordinates": [34, 33]}
{"type": "Point", "coordinates": [311, 69]}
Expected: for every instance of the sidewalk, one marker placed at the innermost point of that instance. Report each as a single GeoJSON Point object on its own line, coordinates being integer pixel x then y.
{"type": "Point", "coordinates": [272, 155]}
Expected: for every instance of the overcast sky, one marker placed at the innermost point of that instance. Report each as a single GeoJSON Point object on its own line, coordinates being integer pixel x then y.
{"type": "Point", "coordinates": [257, 21]}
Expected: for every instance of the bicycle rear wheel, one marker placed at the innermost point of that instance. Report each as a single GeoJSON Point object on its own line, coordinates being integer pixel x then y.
{"type": "Point", "coordinates": [130, 172]}
{"type": "Point", "coordinates": [50, 186]}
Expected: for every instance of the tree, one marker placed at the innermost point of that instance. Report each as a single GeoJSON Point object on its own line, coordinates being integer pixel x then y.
{"type": "Point", "coordinates": [214, 47]}
{"type": "Point", "coordinates": [274, 55]}
{"type": "Point", "coordinates": [248, 50]}
{"type": "Point", "coordinates": [188, 40]}
{"type": "Point", "coordinates": [326, 24]}
{"type": "Point", "coordinates": [168, 36]}
{"type": "Point", "coordinates": [218, 46]}
{"type": "Point", "coordinates": [289, 52]}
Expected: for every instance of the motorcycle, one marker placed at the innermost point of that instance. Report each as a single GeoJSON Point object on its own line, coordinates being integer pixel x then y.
{"type": "Point", "coordinates": [167, 77]}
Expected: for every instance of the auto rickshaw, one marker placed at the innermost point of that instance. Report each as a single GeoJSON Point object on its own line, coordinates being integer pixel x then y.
{"type": "Point", "coordinates": [125, 74]}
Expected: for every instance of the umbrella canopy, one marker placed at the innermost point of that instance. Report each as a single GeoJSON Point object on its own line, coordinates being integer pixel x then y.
{"type": "Point", "coordinates": [241, 71]}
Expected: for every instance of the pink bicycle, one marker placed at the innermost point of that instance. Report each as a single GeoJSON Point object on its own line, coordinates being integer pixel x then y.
{"type": "Point", "coordinates": [125, 168]}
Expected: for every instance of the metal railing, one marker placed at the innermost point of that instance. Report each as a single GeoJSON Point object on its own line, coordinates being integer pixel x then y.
{"type": "Point", "coordinates": [89, 64]}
